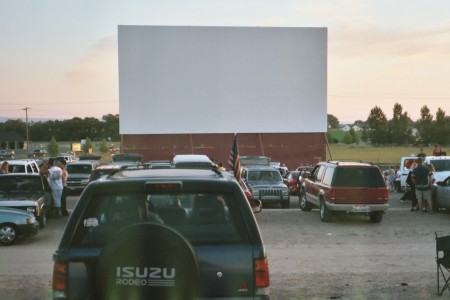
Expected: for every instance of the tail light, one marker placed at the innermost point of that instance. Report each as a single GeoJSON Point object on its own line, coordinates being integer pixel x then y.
{"type": "Point", "coordinates": [386, 195]}
{"type": "Point", "coordinates": [332, 195]}
{"type": "Point", "coordinates": [262, 279]}
{"type": "Point", "coordinates": [59, 277]}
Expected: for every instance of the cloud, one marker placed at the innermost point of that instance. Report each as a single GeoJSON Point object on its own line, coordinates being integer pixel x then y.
{"type": "Point", "coordinates": [98, 66]}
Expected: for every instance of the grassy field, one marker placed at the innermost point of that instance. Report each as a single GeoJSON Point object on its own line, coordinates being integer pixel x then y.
{"type": "Point", "coordinates": [374, 154]}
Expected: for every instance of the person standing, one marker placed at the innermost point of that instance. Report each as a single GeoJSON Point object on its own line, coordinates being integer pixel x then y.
{"type": "Point", "coordinates": [421, 179]}
{"type": "Point", "coordinates": [421, 153]}
{"type": "Point", "coordinates": [56, 184]}
{"type": "Point", "coordinates": [65, 174]}
{"type": "Point", "coordinates": [398, 180]}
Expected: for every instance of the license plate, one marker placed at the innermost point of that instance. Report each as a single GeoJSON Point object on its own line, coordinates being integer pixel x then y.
{"type": "Point", "coordinates": [360, 208]}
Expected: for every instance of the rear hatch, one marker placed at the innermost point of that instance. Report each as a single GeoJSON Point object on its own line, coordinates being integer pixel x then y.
{"type": "Point", "coordinates": [359, 185]}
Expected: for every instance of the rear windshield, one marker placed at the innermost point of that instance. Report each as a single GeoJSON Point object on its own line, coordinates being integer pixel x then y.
{"type": "Point", "coordinates": [200, 218]}
{"type": "Point", "coordinates": [13, 188]}
{"type": "Point", "coordinates": [79, 169]}
{"type": "Point", "coordinates": [358, 177]}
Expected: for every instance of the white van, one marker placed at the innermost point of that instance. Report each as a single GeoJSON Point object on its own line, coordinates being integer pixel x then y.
{"type": "Point", "coordinates": [440, 163]}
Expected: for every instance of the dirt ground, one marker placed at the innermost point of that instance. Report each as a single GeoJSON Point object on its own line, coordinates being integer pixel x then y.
{"type": "Point", "coordinates": [348, 258]}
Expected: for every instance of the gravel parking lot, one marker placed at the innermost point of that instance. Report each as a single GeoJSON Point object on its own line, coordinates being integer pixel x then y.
{"type": "Point", "coordinates": [349, 258]}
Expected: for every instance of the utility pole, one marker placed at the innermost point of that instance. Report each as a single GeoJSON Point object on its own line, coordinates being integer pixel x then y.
{"type": "Point", "coordinates": [26, 118]}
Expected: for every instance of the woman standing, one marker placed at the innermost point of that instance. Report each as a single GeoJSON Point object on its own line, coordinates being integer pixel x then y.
{"type": "Point", "coordinates": [65, 174]}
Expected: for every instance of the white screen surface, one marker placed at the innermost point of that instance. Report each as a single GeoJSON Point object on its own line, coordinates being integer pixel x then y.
{"type": "Point", "coordinates": [222, 79]}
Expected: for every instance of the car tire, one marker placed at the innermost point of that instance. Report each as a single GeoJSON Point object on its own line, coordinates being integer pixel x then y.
{"type": "Point", "coordinates": [303, 202]}
{"type": "Point", "coordinates": [43, 219]}
{"type": "Point", "coordinates": [147, 261]}
{"type": "Point", "coordinates": [376, 217]}
{"type": "Point", "coordinates": [325, 213]}
{"type": "Point", "coordinates": [8, 234]}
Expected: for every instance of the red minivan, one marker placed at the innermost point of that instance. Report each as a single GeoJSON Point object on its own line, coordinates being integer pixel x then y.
{"type": "Point", "coordinates": [348, 187]}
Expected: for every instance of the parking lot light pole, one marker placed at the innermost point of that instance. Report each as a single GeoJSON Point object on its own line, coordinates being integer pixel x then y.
{"type": "Point", "coordinates": [26, 120]}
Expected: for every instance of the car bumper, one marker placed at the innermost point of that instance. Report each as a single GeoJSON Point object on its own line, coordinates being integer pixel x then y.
{"type": "Point", "coordinates": [357, 208]}
{"type": "Point", "coordinates": [29, 230]}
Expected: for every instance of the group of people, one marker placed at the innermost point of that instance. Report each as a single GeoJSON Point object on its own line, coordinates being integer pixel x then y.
{"type": "Point", "coordinates": [393, 178]}
{"type": "Point", "coordinates": [420, 179]}
{"type": "Point", "coordinates": [57, 179]}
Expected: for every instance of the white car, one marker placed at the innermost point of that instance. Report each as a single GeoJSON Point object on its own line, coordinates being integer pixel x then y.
{"type": "Point", "coordinates": [26, 166]}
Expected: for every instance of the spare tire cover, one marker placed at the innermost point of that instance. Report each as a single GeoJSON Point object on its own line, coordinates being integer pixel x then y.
{"type": "Point", "coordinates": [147, 261]}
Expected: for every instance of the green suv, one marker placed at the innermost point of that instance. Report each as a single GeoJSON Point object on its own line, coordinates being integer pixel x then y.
{"type": "Point", "coordinates": [162, 234]}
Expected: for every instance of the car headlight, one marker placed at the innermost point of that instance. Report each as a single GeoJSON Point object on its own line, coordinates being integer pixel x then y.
{"type": "Point", "coordinates": [31, 220]}
{"type": "Point", "coordinates": [31, 209]}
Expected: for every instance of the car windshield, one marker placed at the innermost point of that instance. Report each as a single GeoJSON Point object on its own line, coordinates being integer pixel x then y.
{"type": "Point", "coordinates": [264, 176]}
{"type": "Point", "coordinates": [200, 218]}
{"type": "Point", "coordinates": [19, 188]}
{"type": "Point", "coordinates": [358, 177]}
{"type": "Point", "coordinates": [441, 165]}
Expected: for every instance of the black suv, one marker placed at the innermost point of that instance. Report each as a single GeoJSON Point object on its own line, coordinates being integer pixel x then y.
{"type": "Point", "coordinates": [162, 234]}
{"type": "Point", "coordinates": [346, 187]}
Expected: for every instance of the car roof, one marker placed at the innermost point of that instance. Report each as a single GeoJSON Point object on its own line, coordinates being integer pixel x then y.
{"type": "Point", "coordinates": [349, 164]}
{"type": "Point", "coordinates": [191, 158]}
{"type": "Point", "coordinates": [165, 174]}
{"type": "Point", "coordinates": [83, 162]}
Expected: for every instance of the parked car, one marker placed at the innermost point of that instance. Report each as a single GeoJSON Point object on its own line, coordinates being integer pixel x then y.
{"type": "Point", "coordinates": [157, 164]}
{"type": "Point", "coordinates": [37, 153]}
{"type": "Point", "coordinates": [7, 154]}
{"type": "Point", "coordinates": [346, 187]}
{"type": "Point", "coordinates": [191, 161]}
{"type": "Point", "coordinates": [104, 170]}
{"type": "Point", "coordinates": [209, 246]}
{"type": "Point", "coordinates": [266, 184]}
{"type": "Point", "coordinates": [26, 166]}
{"type": "Point", "coordinates": [28, 192]}
{"type": "Point", "coordinates": [15, 223]}
{"type": "Point", "coordinates": [127, 159]}
{"type": "Point", "coordinates": [441, 194]}
{"type": "Point", "coordinates": [78, 174]}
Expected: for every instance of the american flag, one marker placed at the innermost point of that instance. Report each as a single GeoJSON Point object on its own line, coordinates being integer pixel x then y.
{"type": "Point", "coordinates": [234, 162]}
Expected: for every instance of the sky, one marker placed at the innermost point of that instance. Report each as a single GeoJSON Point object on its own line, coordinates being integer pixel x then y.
{"type": "Point", "coordinates": [60, 60]}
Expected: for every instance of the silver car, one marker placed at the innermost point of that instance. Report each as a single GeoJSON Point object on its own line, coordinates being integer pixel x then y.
{"type": "Point", "coordinates": [441, 194]}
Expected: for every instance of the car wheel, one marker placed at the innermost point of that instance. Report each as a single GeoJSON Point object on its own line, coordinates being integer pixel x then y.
{"type": "Point", "coordinates": [8, 234]}
{"type": "Point", "coordinates": [325, 213]}
{"type": "Point", "coordinates": [43, 219]}
{"type": "Point", "coordinates": [147, 261]}
{"type": "Point", "coordinates": [303, 202]}
{"type": "Point", "coordinates": [376, 217]}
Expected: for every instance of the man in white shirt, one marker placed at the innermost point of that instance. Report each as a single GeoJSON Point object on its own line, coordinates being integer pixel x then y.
{"type": "Point", "coordinates": [56, 184]}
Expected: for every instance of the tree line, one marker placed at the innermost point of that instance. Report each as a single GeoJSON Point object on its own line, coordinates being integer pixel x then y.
{"type": "Point", "coordinates": [74, 129]}
{"type": "Point", "coordinates": [401, 130]}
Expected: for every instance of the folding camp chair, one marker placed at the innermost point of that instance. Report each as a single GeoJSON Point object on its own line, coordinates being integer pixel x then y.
{"type": "Point", "coordinates": [443, 261]}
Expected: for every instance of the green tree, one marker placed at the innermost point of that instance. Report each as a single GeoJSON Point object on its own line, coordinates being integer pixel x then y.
{"type": "Point", "coordinates": [103, 147]}
{"type": "Point", "coordinates": [425, 125]}
{"type": "Point", "coordinates": [354, 136]}
{"type": "Point", "coordinates": [347, 139]}
{"type": "Point", "coordinates": [333, 122]}
{"type": "Point", "coordinates": [53, 148]}
{"type": "Point", "coordinates": [378, 125]}
{"type": "Point", "coordinates": [399, 126]}
{"type": "Point", "coordinates": [441, 132]}
{"type": "Point", "coordinates": [364, 135]}
{"type": "Point", "coordinates": [87, 145]}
